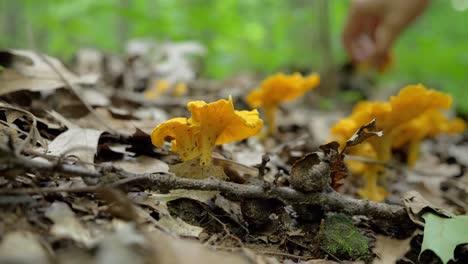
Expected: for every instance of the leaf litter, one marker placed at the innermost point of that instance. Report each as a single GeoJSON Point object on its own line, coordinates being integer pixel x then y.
{"type": "Point", "coordinates": [89, 199]}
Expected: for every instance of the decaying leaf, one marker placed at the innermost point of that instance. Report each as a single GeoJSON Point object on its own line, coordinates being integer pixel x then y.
{"type": "Point", "coordinates": [27, 70]}
{"type": "Point", "coordinates": [389, 250]}
{"type": "Point", "coordinates": [119, 246]}
{"type": "Point", "coordinates": [338, 169]}
{"type": "Point", "coordinates": [310, 173]}
{"type": "Point", "coordinates": [119, 205]}
{"type": "Point", "coordinates": [66, 225]}
{"type": "Point", "coordinates": [235, 171]}
{"type": "Point", "coordinates": [124, 126]}
{"type": "Point", "coordinates": [363, 133]}
{"type": "Point", "coordinates": [179, 227]}
{"type": "Point", "coordinates": [23, 247]}
{"type": "Point", "coordinates": [233, 209]}
{"type": "Point", "coordinates": [174, 224]}
{"type": "Point", "coordinates": [416, 206]}
{"type": "Point", "coordinates": [169, 250]}
{"type": "Point", "coordinates": [13, 113]}
{"type": "Point", "coordinates": [442, 235]}
{"type": "Point", "coordinates": [76, 142]}
{"type": "Point", "coordinates": [142, 164]}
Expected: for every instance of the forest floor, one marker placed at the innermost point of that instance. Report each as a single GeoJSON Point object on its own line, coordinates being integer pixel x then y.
{"type": "Point", "coordinates": [81, 182]}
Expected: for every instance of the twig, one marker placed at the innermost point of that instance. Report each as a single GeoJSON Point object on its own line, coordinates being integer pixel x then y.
{"type": "Point", "coordinates": [263, 165]}
{"type": "Point", "coordinates": [31, 130]}
{"type": "Point", "coordinates": [226, 229]}
{"type": "Point", "coordinates": [330, 201]}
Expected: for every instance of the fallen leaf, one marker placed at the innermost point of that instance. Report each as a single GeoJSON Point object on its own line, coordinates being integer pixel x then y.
{"type": "Point", "coordinates": [363, 133]}
{"type": "Point", "coordinates": [310, 173]}
{"type": "Point", "coordinates": [121, 125]}
{"type": "Point", "coordinates": [179, 227]}
{"type": "Point", "coordinates": [23, 247]}
{"type": "Point", "coordinates": [142, 164]}
{"type": "Point", "coordinates": [389, 250]}
{"type": "Point", "coordinates": [66, 225]}
{"type": "Point", "coordinates": [233, 209]}
{"type": "Point", "coordinates": [416, 206]}
{"type": "Point", "coordinates": [338, 169]}
{"type": "Point", "coordinates": [119, 246]}
{"type": "Point", "coordinates": [76, 142]}
{"type": "Point", "coordinates": [26, 70]}
{"type": "Point", "coordinates": [442, 235]}
{"type": "Point", "coordinates": [236, 172]}
{"type": "Point", "coordinates": [94, 97]}
{"type": "Point", "coordinates": [170, 250]}
{"type": "Point", "coordinates": [198, 195]}
{"type": "Point", "coordinates": [13, 113]}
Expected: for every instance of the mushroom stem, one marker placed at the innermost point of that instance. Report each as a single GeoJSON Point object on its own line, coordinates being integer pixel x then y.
{"type": "Point", "coordinates": [270, 114]}
{"type": "Point", "coordinates": [208, 139]}
{"type": "Point", "coordinates": [413, 152]}
{"type": "Point", "coordinates": [372, 191]}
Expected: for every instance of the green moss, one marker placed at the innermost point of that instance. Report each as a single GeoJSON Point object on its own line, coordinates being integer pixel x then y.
{"type": "Point", "coordinates": [339, 237]}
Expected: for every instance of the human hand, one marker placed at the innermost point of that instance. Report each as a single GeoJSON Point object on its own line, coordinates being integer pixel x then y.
{"type": "Point", "coordinates": [374, 25]}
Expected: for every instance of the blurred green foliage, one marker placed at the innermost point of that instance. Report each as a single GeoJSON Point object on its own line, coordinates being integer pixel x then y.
{"type": "Point", "coordinates": [260, 36]}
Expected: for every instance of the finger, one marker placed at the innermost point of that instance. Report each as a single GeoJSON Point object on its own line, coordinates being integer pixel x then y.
{"type": "Point", "coordinates": [367, 45]}
{"type": "Point", "coordinates": [385, 36]}
{"type": "Point", "coordinates": [352, 30]}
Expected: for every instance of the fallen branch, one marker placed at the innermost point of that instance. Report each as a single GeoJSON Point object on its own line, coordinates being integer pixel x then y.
{"type": "Point", "coordinates": [330, 201]}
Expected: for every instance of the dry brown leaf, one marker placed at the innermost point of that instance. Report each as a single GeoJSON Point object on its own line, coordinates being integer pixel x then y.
{"type": "Point", "coordinates": [120, 246]}
{"type": "Point", "coordinates": [12, 113]}
{"type": "Point", "coordinates": [142, 164]}
{"type": "Point", "coordinates": [23, 247]}
{"type": "Point", "coordinates": [76, 142]}
{"type": "Point", "coordinates": [310, 173]}
{"type": "Point", "coordinates": [237, 172]}
{"type": "Point", "coordinates": [170, 250]}
{"type": "Point", "coordinates": [66, 225]}
{"type": "Point", "coordinates": [389, 250]}
{"type": "Point", "coordinates": [120, 125]}
{"type": "Point", "coordinates": [416, 206]}
{"type": "Point", "coordinates": [232, 208]}
{"type": "Point", "coordinates": [26, 70]}
{"type": "Point", "coordinates": [363, 133]}
{"type": "Point", "coordinates": [338, 169]}
{"type": "Point", "coordinates": [176, 225]}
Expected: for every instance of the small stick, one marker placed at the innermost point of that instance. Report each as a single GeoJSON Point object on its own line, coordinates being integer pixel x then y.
{"type": "Point", "coordinates": [330, 201]}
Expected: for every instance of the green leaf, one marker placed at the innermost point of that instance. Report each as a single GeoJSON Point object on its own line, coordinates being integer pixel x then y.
{"type": "Point", "coordinates": [443, 235]}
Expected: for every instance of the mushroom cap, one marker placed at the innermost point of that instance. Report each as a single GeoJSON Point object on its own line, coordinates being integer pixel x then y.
{"type": "Point", "coordinates": [414, 100]}
{"type": "Point", "coordinates": [411, 102]}
{"type": "Point", "coordinates": [281, 88]}
{"type": "Point", "coordinates": [182, 134]}
{"type": "Point", "coordinates": [429, 124]}
{"type": "Point", "coordinates": [211, 124]}
{"type": "Point", "coordinates": [221, 119]}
